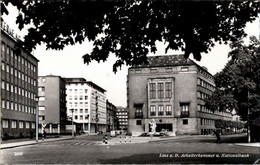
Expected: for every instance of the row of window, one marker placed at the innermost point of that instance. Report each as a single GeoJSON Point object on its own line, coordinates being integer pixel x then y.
{"type": "Point", "coordinates": [122, 123]}
{"type": "Point", "coordinates": [21, 124]}
{"type": "Point", "coordinates": [202, 95]}
{"type": "Point", "coordinates": [205, 84]}
{"type": "Point", "coordinates": [121, 113]}
{"type": "Point", "coordinates": [122, 119]}
{"type": "Point", "coordinates": [78, 90]}
{"type": "Point", "coordinates": [18, 74]}
{"type": "Point", "coordinates": [7, 50]}
{"type": "Point", "coordinates": [17, 90]}
{"type": "Point", "coordinates": [153, 110]}
{"type": "Point", "coordinates": [207, 122]}
{"type": "Point", "coordinates": [160, 90]}
{"type": "Point", "coordinates": [205, 74]}
{"type": "Point", "coordinates": [166, 69]}
{"type": "Point", "coordinates": [78, 98]}
{"type": "Point", "coordinates": [122, 116]}
{"type": "Point", "coordinates": [9, 105]}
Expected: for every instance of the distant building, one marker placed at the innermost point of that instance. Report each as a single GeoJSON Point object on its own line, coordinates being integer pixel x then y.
{"type": "Point", "coordinates": [52, 104]}
{"type": "Point", "coordinates": [87, 102]}
{"type": "Point", "coordinates": [19, 73]}
{"type": "Point", "coordinates": [172, 91]}
{"type": "Point", "coordinates": [112, 121]}
{"type": "Point", "coordinates": [122, 116]}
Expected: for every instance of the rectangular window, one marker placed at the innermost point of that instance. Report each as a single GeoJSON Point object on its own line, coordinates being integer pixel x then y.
{"type": "Point", "coordinates": [7, 68]}
{"type": "Point", "coordinates": [41, 108]}
{"type": "Point", "coordinates": [13, 124]}
{"type": "Point", "coordinates": [12, 105]}
{"type": "Point", "coordinates": [138, 110]}
{"type": "Point", "coordinates": [168, 110]}
{"type": "Point", "coordinates": [81, 117]}
{"type": "Point", "coordinates": [152, 91]}
{"type": "Point", "coordinates": [7, 105]}
{"type": "Point", "coordinates": [3, 66]}
{"type": "Point", "coordinates": [160, 90]}
{"type": "Point", "coordinates": [3, 85]}
{"type": "Point", "coordinates": [27, 125]}
{"type": "Point", "coordinates": [20, 124]}
{"type": "Point", "coordinates": [168, 90]}
{"type": "Point", "coordinates": [5, 123]}
{"type": "Point", "coordinates": [33, 125]}
{"type": "Point", "coordinates": [42, 98]}
{"type": "Point", "coordinates": [3, 104]}
{"type": "Point", "coordinates": [138, 122]}
{"type": "Point", "coordinates": [76, 117]}
{"type": "Point", "coordinates": [184, 69]}
{"type": "Point", "coordinates": [86, 110]}
{"type": "Point", "coordinates": [185, 121]}
{"type": "Point", "coordinates": [160, 110]}
{"type": "Point", "coordinates": [41, 89]}
{"type": "Point", "coordinates": [152, 110]}
{"type": "Point", "coordinates": [184, 108]}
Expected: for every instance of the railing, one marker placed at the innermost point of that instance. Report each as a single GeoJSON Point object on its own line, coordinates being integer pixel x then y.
{"type": "Point", "coordinates": [139, 115]}
{"type": "Point", "coordinates": [185, 114]}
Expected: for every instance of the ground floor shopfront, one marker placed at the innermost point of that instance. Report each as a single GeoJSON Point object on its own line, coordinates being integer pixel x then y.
{"type": "Point", "coordinates": [176, 125]}
{"type": "Point", "coordinates": [17, 128]}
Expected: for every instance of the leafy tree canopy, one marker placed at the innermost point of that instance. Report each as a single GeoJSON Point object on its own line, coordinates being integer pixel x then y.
{"type": "Point", "coordinates": [130, 29]}
{"type": "Point", "coordinates": [238, 84]}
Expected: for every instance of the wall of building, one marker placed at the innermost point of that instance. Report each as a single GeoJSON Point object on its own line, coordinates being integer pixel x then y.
{"type": "Point", "coordinates": [19, 88]}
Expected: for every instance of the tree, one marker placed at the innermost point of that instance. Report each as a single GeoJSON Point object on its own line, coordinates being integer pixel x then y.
{"type": "Point", "coordinates": [130, 29]}
{"type": "Point", "coordinates": [238, 84]}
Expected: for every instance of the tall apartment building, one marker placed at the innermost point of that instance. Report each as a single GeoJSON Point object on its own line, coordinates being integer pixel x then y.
{"type": "Point", "coordinates": [112, 121]}
{"type": "Point", "coordinates": [122, 116]}
{"type": "Point", "coordinates": [172, 91]}
{"type": "Point", "coordinates": [52, 104]}
{"type": "Point", "coordinates": [86, 102]}
{"type": "Point", "coordinates": [19, 73]}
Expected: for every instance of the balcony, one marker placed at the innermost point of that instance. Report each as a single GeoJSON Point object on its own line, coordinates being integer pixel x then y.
{"type": "Point", "coordinates": [139, 115]}
{"type": "Point", "coordinates": [185, 114]}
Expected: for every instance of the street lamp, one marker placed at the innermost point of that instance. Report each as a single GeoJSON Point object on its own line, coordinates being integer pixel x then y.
{"type": "Point", "coordinates": [37, 118]}
{"type": "Point", "coordinates": [72, 110]}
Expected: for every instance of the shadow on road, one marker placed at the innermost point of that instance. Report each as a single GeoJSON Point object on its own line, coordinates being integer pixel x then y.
{"type": "Point", "coordinates": [152, 158]}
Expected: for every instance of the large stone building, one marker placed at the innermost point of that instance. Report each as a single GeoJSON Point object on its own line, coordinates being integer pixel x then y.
{"type": "Point", "coordinates": [52, 104]}
{"type": "Point", "coordinates": [86, 102]}
{"type": "Point", "coordinates": [122, 116]}
{"type": "Point", "coordinates": [19, 73]}
{"type": "Point", "coordinates": [171, 90]}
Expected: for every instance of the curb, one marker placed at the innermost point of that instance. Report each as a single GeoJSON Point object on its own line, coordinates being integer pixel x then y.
{"type": "Point", "coordinates": [33, 143]}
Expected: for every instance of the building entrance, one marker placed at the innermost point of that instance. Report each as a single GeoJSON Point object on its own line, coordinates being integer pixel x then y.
{"type": "Point", "coordinates": [160, 126]}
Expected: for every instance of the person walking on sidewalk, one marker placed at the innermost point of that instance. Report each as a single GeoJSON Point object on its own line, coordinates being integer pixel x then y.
{"type": "Point", "coordinates": [218, 136]}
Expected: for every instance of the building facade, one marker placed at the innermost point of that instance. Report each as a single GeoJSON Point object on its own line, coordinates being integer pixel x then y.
{"type": "Point", "coordinates": [122, 115]}
{"type": "Point", "coordinates": [112, 121]}
{"type": "Point", "coordinates": [52, 104]}
{"type": "Point", "coordinates": [172, 91]}
{"type": "Point", "coordinates": [86, 102]}
{"type": "Point", "coordinates": [19, 73]}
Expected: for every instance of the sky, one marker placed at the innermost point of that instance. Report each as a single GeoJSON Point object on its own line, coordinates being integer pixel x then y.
{"type": "Point", "coordinates": [69, 61]}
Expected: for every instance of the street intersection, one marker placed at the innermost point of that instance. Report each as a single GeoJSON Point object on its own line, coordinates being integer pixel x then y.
{"type": "Point", "coordinates": [91, 149]}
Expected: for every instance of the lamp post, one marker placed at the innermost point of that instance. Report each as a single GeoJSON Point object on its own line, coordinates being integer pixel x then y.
{"type": "Point", "coordinates": [72, 110]}
{"type": "Point", "coordinates": [37, 118]}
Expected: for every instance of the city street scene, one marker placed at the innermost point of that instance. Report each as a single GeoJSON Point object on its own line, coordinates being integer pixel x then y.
{"type": "Point", "coordinates": [130, 82]}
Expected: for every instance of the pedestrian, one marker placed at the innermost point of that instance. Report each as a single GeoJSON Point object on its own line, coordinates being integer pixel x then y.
{"type": "Point", "coordinates": [218, 136]}
{"type": "Point", "coordinates": [44, 133]}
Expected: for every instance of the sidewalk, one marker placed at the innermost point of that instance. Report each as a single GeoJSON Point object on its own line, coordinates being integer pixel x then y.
{"type": "Point", "coordinates": [248, 144]}
{"type": "Point", "coordinates": [8, 144]}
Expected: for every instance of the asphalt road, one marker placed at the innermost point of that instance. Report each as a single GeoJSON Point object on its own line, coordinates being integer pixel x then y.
{"type": "Point", "coordinates": [88, 150]}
